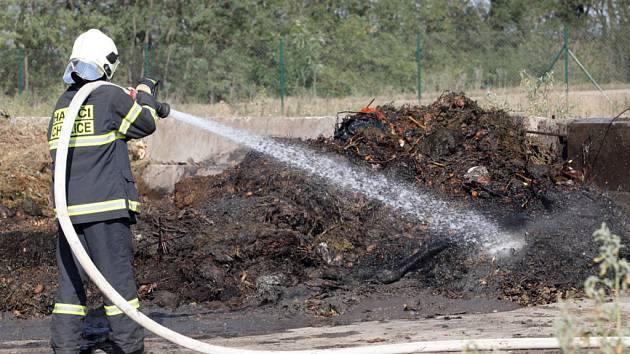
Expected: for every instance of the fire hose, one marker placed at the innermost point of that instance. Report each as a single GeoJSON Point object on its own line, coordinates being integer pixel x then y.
{"type": "Point", "coordinates": [95, 275]}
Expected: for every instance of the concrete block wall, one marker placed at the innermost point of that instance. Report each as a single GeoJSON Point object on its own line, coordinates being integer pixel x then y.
{"type": "Point", "coordinates": [548, 126]}
{"type": "Point", "coordinates": [601, 148]}
{"type": "Point", "coordinates": [177, 150]}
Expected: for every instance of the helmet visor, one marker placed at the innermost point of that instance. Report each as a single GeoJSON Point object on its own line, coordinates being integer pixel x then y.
{"type": "Point", "coordinates": [86, 71]}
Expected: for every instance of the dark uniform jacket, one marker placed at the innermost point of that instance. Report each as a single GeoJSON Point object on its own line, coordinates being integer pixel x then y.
{"type": "Point", "coordinates": [100, 185]}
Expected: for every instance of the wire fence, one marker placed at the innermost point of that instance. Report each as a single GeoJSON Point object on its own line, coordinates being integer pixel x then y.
{"type": "Point", "coordinates": [366, 64]}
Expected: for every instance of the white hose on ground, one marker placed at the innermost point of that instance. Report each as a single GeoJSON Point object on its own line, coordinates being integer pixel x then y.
{"type": "Point", "coordinates": [202, 347]}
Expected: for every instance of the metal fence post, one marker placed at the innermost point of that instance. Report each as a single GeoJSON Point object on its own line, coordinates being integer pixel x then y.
{"type": "Point", "coordinates": [282, 74]}
{"type": "Point", "coordinates": [418, 67]}
{"type": "Point", "coordinates": [20, 74]}
{"type": "Point", "coordinates": [566, 64]}
{"type": "Point", "coordinates": [147, 61]}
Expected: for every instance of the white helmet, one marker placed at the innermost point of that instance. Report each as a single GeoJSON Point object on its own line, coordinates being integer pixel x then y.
{"type": "Point", "coordinates": [94, 54]}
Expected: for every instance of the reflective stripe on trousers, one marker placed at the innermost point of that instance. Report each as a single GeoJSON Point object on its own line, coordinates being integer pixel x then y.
{"type": "Point", "coordinates": [113, 310]}
{"type": "Point", "coordinates": [70, 309]}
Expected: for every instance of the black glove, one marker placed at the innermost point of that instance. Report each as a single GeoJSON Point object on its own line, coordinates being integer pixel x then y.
{"type": "Point", "coordinates": [163, 109]}
{"type": "Point", "coordinates": [152, 85]}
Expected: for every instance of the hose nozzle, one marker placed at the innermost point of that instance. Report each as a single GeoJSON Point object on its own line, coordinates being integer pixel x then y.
{"type": "Point", "coordinates": [163, 109]}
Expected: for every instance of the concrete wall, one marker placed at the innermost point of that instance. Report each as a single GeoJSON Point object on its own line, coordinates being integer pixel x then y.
{"type": "Point", "coordinates": [602, 148]}
{"type": "Point", "coordinates": [175, 142]}
{"type": "Point", "coordinates": [552, 127]}
{"type": "Point", "coordinates": [177, 150]}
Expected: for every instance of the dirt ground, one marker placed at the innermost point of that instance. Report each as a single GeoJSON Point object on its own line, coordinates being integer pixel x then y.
{"type": "Point", "coordinates": [238, 330]}
{"type": "Point", "coordinates": [264, 236]}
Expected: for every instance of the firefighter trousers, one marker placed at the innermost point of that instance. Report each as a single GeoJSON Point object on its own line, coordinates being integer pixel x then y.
{"type": "Point", "coordinates": [109, 244]}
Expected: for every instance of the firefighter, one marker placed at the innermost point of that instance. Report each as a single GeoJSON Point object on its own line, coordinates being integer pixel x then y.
{"type": "Point", "coordinates": [102, 197]}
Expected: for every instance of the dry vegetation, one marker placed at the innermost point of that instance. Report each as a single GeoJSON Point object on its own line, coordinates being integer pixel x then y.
{"type": "Point", "coordinates": [583, 102]}
{"type": "Point", "coordinates": [24, 168]}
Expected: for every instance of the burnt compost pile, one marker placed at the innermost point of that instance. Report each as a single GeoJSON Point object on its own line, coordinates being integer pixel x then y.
{"type": "Point", "coordinates": [263, 233]}
{"type": "Point", "coordinates": [453, 147]}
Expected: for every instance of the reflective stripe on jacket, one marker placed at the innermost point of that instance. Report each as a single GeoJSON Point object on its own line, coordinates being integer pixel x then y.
{"type": "Point", "coordinates": [100, 185]}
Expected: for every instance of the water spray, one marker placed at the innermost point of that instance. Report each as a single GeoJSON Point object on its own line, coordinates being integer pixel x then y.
{"type": "Point", "coordinates": [354, 180]}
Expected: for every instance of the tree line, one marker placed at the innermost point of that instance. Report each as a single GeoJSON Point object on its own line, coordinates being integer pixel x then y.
{"type": "Point", "coordinates": [232, 50]}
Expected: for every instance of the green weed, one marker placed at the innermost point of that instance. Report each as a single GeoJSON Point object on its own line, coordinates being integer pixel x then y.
{"type": "Point", "coordinates": [542, 100]}
{"type": "Point", "coordinates": [606, 290]}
